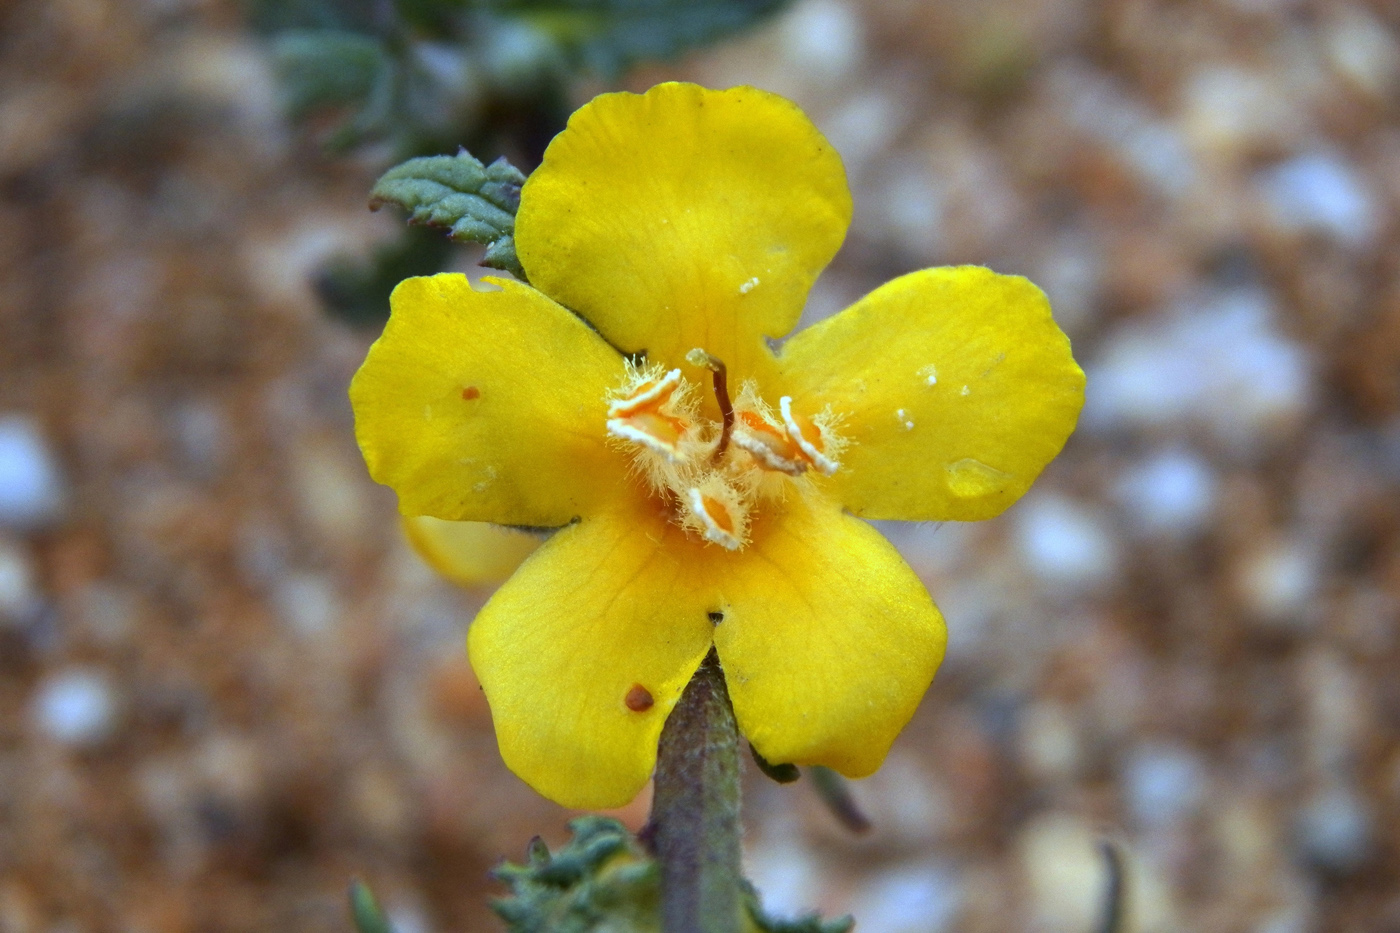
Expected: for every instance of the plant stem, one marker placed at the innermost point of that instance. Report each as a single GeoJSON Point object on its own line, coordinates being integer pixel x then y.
{"type": "Point", "coordinates": [694, 829]}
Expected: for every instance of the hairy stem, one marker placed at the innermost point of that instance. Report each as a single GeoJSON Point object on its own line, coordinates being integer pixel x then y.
{"type": "Point", "coordinates": [694, 829]}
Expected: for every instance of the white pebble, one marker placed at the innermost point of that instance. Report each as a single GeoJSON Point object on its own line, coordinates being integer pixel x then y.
{"type": "Point", "coordinates": [31, 492]}
{"type": "Point", "coordinates": [1322, 193]}
{"type": "Point", "coordinates": [1278, 582]}
{"type": "Point", "coordinates": [77, 706]}
{"type": "Point", "coordinates": [1363, 50]}
{"type": "Point", "coordinates": [1164, 783]}
{"type": "Point", "coordinates": [1335, 831]}
{"type": "Point", "coordinates": [1064, 543]}
{"type": "Point", "coordinates": [308, 603]}
{"type": "Point", "coordinates": [823, 39]}
{"type": "Point", "coordinates": [1171, 493]}
{"type": "Point", "coordinates": [918, 898]}
{"type": "Point", "coordinates": [1219, 360]}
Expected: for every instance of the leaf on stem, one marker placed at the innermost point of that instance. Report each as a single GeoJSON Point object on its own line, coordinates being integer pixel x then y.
{"type": "Point", "coordinates": [474, 203]}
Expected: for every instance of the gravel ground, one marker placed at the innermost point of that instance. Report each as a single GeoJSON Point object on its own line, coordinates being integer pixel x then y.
{"type": "Point", "coordinates": [227, 686]}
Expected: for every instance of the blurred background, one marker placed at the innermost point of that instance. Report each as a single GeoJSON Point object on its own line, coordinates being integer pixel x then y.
{"type": "Point", "coordinates": [227, 685]}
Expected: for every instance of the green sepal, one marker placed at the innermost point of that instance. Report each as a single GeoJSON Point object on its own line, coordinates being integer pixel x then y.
{"type": "Point", "coordinates": [783, 774]}
{"type": "Point", "coordinates": [474, 203]}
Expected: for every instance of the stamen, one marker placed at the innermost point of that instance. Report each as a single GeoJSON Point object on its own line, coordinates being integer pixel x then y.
{"type": "Point", "coordinates": [649, 416]}
{"type": "Point", "coordinates": [717, 524]}
{"type": "Point", "coordinates": [768, 444]}
{"type": "Point", "coordinates": [699, 357]}
{"type": "Point", "coordinates": [653, 431]}
{"type": "Point", "coordinates": [806, 434]}
{"type": "Point", "coordinates": [651, 394]}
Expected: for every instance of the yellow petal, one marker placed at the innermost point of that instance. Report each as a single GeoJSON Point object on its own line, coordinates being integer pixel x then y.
{"type": "Point", "coordinates": [828, 642]}
{"type": "Point", "coordinates": [487, 405]}
{"type": "Point", "coordinates": [957, 388]}
{"type": "Point", "coordinates": [684, 218]}
{"type": "Point", "coordinates": [605, 608]}
{"type": "Point", "coordinates": [468, 553]}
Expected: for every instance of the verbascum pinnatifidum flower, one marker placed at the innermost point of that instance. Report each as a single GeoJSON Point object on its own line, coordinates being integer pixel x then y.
{"type": "Point", "coordinates": [709, 491]}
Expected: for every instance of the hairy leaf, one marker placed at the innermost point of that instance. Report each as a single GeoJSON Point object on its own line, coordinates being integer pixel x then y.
{"type": "Point", "coordinates": [475, 203]}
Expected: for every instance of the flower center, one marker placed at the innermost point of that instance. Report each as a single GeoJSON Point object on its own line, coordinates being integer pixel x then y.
{"type": "Point", "coordinates": [714, 474]}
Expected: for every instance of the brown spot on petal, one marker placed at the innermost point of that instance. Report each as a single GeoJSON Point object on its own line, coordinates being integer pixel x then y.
{"type": "Point", "coordinates": [471, 392]}
{"type": "Point", "coordinates": [639, 699]}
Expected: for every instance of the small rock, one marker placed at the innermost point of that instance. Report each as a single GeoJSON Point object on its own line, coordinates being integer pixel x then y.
{"type": "Point", "coordinates": [108, 611]}
{"type": "Point", "coordinates": [1322, 193]}
{"type": "Point", "coordinates": [1171, 493]}
{"type": "Point", "coordinates": [1335, 831]}
{"type": "Point", "coordinates": [1278, 582]}
{"type": "Point", "coordinates": [1230, 112]}
{"type": "Point", "coordinates": [1219, 361]}
{"type": "Point", "coordinates": [1163, 783]}
{"type": "Point", "coordinates": [308, 603]}
{"type": "Point", "coordinates": [1064, 543]}
{"type": "Point", "coordinates": [31, 491]}
{"type": "Point", "coordinates": [1065, 873]}
{"type": "Point", "coordinates": [1048, 742]}
{"type": "Point", "coordinates": [77, 707]}
{"type": "Point", "coordinates": [920, 898]}
{"type": "Point", "coordinates": [823, 39]}
{"type": "Point", "coordinates": [1067, 877]}
{"type": "Point", "coordinates": [201, 435]}
{"type": "Point", "coordinates": [1363, 50]}
{"type": "Point", "coordinates": [18, 596]}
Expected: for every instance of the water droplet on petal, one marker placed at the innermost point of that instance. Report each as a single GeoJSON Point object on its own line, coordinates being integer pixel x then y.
{"type": "Point", "coordinates": [970, 479]}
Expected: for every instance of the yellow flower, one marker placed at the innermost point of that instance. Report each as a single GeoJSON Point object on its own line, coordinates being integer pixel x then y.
{"type": "Point", "coordinates": [708, 490]}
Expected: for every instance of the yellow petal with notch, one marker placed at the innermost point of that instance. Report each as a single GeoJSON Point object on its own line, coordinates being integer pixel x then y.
{"type": "Point", "coordinates": [487, 405]}
{"type": "Point", "coordinates": [585, 651]}
{"type": "Point", "coordinates": [956, 388]}
{"type": "Point", "coordinates": [684, 218]}
{"type": "Point", "coordinates": [829, 640]}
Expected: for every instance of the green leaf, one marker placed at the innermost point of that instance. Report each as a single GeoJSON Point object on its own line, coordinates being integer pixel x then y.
{"type": "Point", "coordinates": [604, 881]}
{"type": "Point", "coordinates": [608, 36]}
{"type": "Point", "coordinates": [601, 882]}
{"type": "Point", "coordinates": [475, 203]}
{"type": "Point", "coordinates": [364, 910]}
